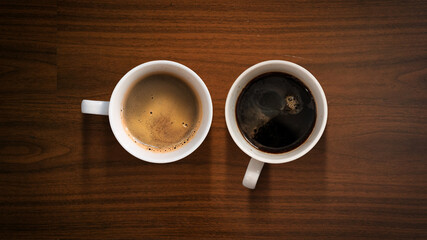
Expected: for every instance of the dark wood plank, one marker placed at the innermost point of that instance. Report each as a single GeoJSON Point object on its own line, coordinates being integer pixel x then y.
{"type": "Point", "coordinates": [63, 174]}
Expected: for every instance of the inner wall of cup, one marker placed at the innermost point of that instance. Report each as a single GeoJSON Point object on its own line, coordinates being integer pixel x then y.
{"type": "Point", "coordinates": [310, 83]}
{"type": "Point", "coordinates": [141, 71]}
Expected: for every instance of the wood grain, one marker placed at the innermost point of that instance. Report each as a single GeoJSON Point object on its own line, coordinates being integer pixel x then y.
{"type": "Point", "coordinates": [64, 176]}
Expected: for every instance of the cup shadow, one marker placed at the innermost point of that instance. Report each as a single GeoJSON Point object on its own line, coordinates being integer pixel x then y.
{"type": "Point", "coordinates": [315, 163]}
{"type": "Point", "coordinates": [94, 131]}
{"type": "Point", "coordinates": [236, 161]}
{"type": "Point", "coordinates": [100, 150]}
{"type": "Point", "coordinates": [200, 162]}
{"type": "Point", "coordinates": [202, 155]}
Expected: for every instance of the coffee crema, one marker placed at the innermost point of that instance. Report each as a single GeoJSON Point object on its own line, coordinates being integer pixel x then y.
{"type": "Point", "coordinates": [275, 112]}
{"type": "Point", "coordinates": [161, 112]}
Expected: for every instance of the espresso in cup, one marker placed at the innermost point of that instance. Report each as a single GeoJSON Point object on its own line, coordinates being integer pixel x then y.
{"type": "Point", "coordinates": [275, 112]}
{"type": "Point", "coordinates": [161, 112]}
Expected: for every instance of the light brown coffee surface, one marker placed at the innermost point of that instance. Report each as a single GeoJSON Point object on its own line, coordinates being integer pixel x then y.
{"type": "Point", "coordinates": [161, 112]}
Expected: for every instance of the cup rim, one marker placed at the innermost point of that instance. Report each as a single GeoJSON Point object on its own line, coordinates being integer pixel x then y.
{"type": "Point", "coordinates": [280, 66]}
{"type": "Point", "coordinates": [128, 80]}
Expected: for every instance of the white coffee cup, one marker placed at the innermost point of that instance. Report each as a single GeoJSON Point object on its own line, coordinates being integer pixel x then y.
{"type": "Point", "coordinates": [258, 158]}
{"type": "Point", "coordinates": [113, 107]}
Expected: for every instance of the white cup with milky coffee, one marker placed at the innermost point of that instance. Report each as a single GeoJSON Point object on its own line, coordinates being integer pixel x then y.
{"type": "Point", "coordinates": [160, 111]}
{"type": "Point", "coordinates": [276, 112]}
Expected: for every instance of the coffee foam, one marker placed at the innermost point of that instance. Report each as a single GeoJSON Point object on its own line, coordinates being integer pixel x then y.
{"type": "Point", "coordinates": [161, 113]}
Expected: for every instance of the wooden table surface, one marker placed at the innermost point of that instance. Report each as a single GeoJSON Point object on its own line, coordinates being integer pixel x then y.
{"type": "Point", "coordinates": [63, 175]}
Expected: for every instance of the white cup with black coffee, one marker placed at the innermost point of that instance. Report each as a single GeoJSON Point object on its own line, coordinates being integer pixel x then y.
{"type": "Point", "coordinates": [160, 111]}
{"type": "Point", "coordinates": [276, 112]}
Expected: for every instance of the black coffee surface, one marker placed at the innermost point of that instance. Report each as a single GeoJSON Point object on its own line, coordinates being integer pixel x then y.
{"type": "Point", "coordinates": [276, 112]}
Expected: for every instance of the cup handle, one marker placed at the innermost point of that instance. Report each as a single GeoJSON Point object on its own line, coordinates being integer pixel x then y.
{"type": "Point", "coordinates": [95, 107]}
{"type": "Point", "coordinates": [252, 173]}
